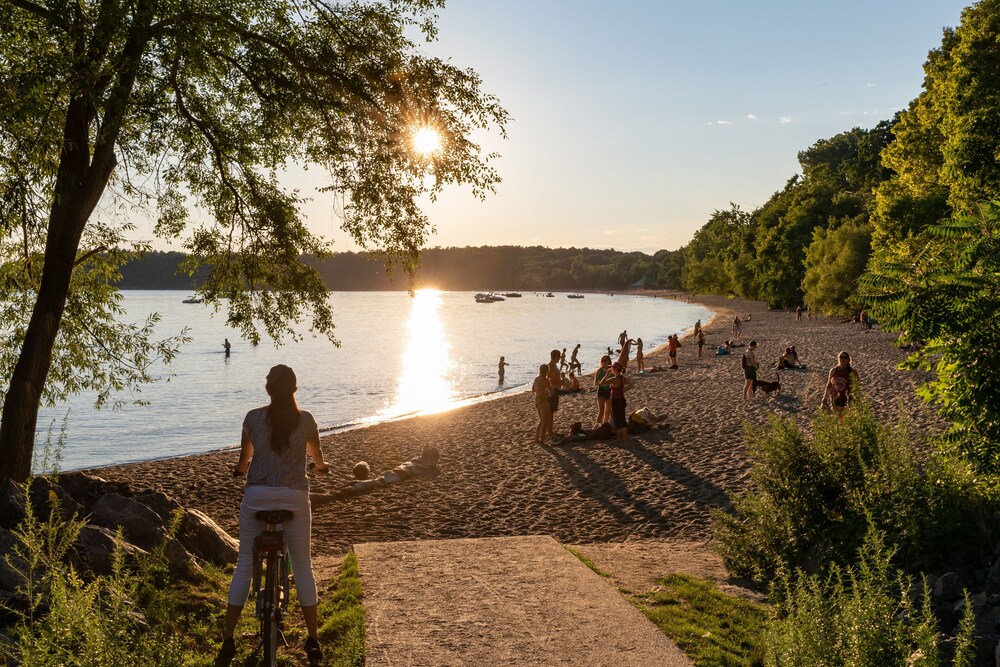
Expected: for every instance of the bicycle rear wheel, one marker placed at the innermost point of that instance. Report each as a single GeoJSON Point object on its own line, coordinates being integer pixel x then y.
{"type": "Point", "coordinates": [270, 618]}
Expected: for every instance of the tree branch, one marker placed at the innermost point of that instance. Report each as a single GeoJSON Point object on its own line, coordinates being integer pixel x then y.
{"type": "Point", "coordinates": [36, 9]}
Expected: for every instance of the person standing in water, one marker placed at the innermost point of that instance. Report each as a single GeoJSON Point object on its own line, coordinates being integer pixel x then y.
{"type": "Point", "coordinates": [574, 363]}
{"type": "Point", "coordinates": [500, 369]}
{"type": "Point", "coordinates": [228, 346]}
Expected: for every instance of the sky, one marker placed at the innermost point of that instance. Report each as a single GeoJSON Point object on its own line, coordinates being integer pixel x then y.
{"type": "Point", "coordinates": [632, 121]}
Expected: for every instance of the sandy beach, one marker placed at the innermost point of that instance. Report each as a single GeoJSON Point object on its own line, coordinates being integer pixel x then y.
{"type": "Point", "coordinates": [655, 493]}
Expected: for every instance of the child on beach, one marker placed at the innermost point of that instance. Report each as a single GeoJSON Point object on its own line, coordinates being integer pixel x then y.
{"type": "Point", "coordinates": [540, 388]}
{"type": "Point", "coordinates": [841, 384]}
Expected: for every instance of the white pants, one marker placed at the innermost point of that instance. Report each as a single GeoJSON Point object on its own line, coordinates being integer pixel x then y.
{"type": "Point", "coordinates": [297, 539]}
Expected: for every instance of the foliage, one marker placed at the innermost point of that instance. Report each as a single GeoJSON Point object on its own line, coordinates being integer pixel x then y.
{"type": "Point", "coordinates": [946, 142]}
{"type": "Point", "coordinates": [947, 298]}
{"type": "Point", "coordinates": [712, 628]}
{"type": "Point", "coordinates": [814, 494]}
{"type": "Point", "coordinates": [192, 109]}
{"type": "Point", "coordinates": [835, 260]}
{"type": "Point", "coordinates": [716, 258]}
{"type": "Point", "coordinates": [859, 616]}
{"type": "Point", "coordinates": [70, 619]}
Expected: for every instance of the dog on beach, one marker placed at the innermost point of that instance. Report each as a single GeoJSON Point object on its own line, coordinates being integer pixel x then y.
{"type": "Point", "coordinates": [768, 387]}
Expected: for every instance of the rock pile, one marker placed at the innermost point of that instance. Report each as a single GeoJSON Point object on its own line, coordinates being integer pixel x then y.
{"type": "Point", "coordinates": [143, 519]}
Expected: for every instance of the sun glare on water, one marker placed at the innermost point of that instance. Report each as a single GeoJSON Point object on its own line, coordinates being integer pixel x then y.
{"type": "Point", "coordinates": [424, 385]}
{"type": "Point", "coordinates": [426, 141]}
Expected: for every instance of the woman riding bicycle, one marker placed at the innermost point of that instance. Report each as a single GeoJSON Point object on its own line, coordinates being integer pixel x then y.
{"type": "Point", "coordinates": [273, 458]}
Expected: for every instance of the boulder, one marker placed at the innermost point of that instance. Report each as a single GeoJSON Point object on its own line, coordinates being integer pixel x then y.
{"type": "Point", "coordinates": [206, 540]}
{"type": "Point", "coordinates": [141, 525]}
{"type": "Point", "coordinates": [181, 563]}
{"type": "Point", "coordinates": [96, 547]}
{"type": "Point", "coordinates": [161, 503]}
{"type": "Point", "coordinates": [12, 504]}
{"type": "Point", "coordinates": [949, 587]}
{"type": "Point", "coordinates": [43, 492]}
{"type": "Point", "coordinates": [87, 489]}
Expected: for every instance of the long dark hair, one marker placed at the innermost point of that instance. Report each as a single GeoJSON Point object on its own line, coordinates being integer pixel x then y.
{"type": "Point", "coordinates": [283, 412]}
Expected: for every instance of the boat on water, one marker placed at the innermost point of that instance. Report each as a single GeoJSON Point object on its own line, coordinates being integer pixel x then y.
{"type": "Point", "coordinates": [192, 299]}
{"type": "Point", "coordinates": [574, 296]}
{"type": "Point", "coordinates": [550, 294]}
{"type": "Point", "coordinates": [512, 295]}
{"type": "Point", "coordinates": [488, 297]}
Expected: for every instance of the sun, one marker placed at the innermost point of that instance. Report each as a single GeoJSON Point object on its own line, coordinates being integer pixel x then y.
{"type": "Point", "coordinates": [426, 141]}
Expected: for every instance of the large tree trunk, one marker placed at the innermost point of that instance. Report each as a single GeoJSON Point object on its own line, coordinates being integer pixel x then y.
{"type": "Point", "coordinates": [79, 186]}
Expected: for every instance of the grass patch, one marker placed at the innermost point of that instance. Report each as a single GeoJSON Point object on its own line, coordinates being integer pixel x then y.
{"type": "Point", "coordinates": [712, 628]}
{"type": "Point", "coordinates": [586, 561]}
{"type": "Point", "coordinates": [342, 618]}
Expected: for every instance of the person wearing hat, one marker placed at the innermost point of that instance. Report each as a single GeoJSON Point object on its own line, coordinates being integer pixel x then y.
{"type": "Point", "coordinates": [618, 383]}
{"type": "Point", "coordinates": [273, 448]}
{"type": "Point", "coordinates": [749, 370]}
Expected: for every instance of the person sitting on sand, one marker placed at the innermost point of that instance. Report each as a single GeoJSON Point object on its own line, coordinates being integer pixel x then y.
{"type": "Point", "coordinates": [841, 384]}
{"type": "Point", "coordinates": [574, 383]}
{"type": "Point", "coordinates": [273, 448]}
{"type": "Point", "coordinates": [786, 360]}
{"type": "Point", "coordinates": [540, 388]}
{"type": "Point", "coordinates": [722, 349]}
{"type": "Point", "coordinates": [795, 357]}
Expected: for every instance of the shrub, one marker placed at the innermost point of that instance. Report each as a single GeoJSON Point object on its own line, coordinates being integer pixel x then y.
{"type": "Point", "coordinates": [859, 616]}
{"type": "Point", "coordinates": [813, 496]}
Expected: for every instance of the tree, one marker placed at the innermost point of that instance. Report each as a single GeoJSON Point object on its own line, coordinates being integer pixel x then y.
{"type": "Point", "coordinates": [835, 260]}
{"type": "Point", "coordinates": [947, 299]}
{"type": "Point", "coordinates": [180, 105]}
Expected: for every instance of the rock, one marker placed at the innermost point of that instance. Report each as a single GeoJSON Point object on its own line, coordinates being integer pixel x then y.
{"type": "Point", "coordinates": [362, 470]}
{"type": "Point", "coordinates": [181, 563]}
{"type": "Point", "coordinates": [992, 584]}
{"type": "Point", "coordinates": [949, 587]}
{"type": "Point", "coordinates": [141, 525]}
{"type": "Point", "coordinates": [206, 540]}
{"type": "Point", "coordinates": [12, 504]}
{"type": "Point", "coordinates": [87, 489]}
{"type": "Point", "coordinates": [161, 503]}
{"type": "Point", "coordinates": [43, 492]}
{"type": "Point", "coordinates": [96, 547]}
{"type": "Point", "coordinates": [11, 573]}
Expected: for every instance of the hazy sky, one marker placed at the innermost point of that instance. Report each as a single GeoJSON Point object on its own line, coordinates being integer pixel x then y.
{"type": "Point", "coordinates": [634, 120]}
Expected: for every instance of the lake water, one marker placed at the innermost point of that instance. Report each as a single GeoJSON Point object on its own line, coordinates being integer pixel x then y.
{"type": "Point", "coordinates": [399, 356]}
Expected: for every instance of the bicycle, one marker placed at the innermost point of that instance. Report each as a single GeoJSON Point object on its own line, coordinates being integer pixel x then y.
{"type": "Point", "coordinates": [270, 581]}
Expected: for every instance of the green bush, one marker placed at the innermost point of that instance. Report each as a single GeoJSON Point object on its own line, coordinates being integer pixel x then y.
{"type": "Point", "coordinates": [72, 619]}
{"type": "Point", "coordinates": [859, 616]}
{"type": "Point", "coordinates": [814, 494]}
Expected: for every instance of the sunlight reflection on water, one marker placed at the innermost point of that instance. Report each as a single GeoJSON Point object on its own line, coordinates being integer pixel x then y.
{"type": "Point", "coordinates": [423, 384]}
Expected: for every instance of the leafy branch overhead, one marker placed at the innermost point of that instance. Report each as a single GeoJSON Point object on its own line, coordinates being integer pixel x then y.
{"type": "Point", "coordinates": [189, 111]}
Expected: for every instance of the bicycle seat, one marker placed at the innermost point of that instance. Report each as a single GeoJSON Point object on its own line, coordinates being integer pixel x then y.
{"type": "Point", "coordinates": [274, 516]}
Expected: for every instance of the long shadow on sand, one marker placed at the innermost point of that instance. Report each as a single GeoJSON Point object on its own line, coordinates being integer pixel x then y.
{"type": "Point", "coordinates": [625, 503]}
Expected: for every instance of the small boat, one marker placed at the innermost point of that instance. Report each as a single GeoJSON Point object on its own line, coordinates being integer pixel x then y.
{"type": "Point", "coordinates": [488, 297]}
{"type": "Point", "coordinates": [192, 299]}
{"type": "Point", "coordinates": [550, 294]}
{"type": "Point", "coordinates": [574, 296]}
{"type": "Point", "coordinates": [512, 295]}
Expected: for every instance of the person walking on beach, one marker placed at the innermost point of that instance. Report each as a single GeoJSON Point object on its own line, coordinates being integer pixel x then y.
{"type": "Point", "coordinates": [672, 345]}
{"type": "Point", "coordinates": [273, 448]}
{"type": "Point", "coordinates": [603, 391]}
{"type": "Point", "coordinates": [618, 382]}
{"type": "Point", "coordinates": [555, 384]}
{"type": "Point", "coordinates": [841, 385]}
{"type": "Point", "coordinates": [749, 370]}
{"type": "Point", "coordinates": [737, 328]}
{"type": "Point", "coordinates": [562, 361]}
{"type": "Point", "coordinates": [500, 369]}
{"type": "Point", "coordinates": [574, 363]}
{"type": "Point", "coordinates": [228, 346]}
{"type": "Point", "coordinates": [697, 329]}
{"type": "Point", "coordinates": [622, 337]}
{"type": "Point", "coordinates": [640, 365]}
{"type": "Point", "coordinates": [701, 340]}
{"type": "Point", "coordinates": [798, 313]}
{"type": "Point", "coordinates": [540, 388]}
